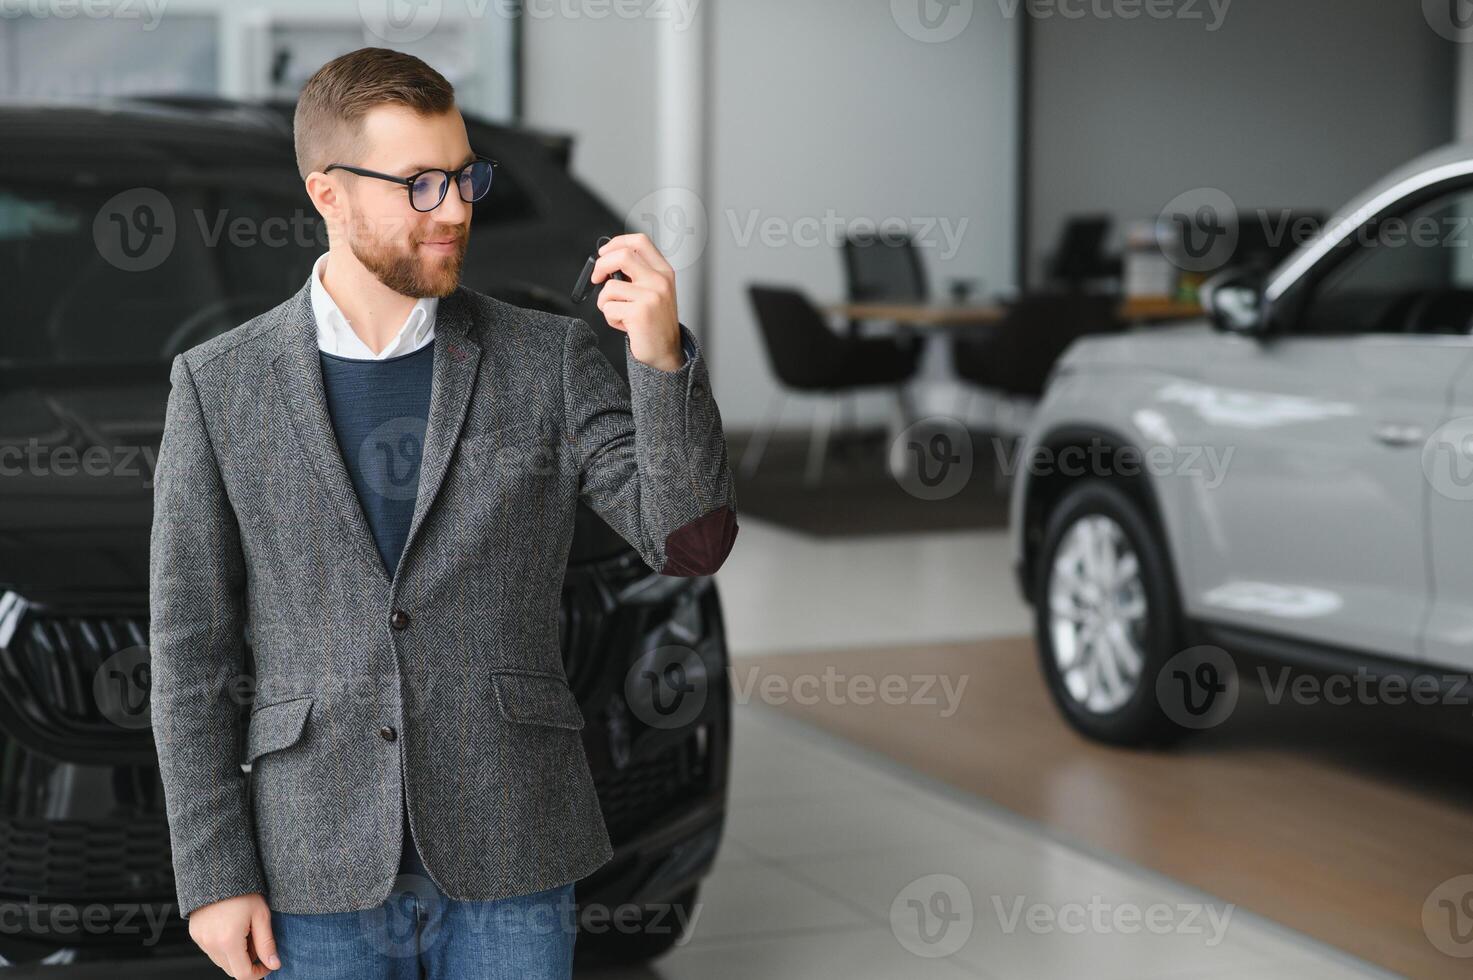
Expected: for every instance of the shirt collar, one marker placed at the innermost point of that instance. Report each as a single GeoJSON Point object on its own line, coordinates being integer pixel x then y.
{"type": "Point", "coordinates": [335, 335]}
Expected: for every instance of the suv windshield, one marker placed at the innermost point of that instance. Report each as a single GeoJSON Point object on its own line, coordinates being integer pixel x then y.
{"type": "Point", "coordinates": [106, 275]}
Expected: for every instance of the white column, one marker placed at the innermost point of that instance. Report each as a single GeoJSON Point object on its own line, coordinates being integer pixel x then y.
{"type": "Point", "coordinates": [680, 133]}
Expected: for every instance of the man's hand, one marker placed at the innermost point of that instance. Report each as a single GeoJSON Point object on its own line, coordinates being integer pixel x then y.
{"type": "Point", "coordinates": [643, 307]}
{"type": "Point", "coordinates": [233, 932]}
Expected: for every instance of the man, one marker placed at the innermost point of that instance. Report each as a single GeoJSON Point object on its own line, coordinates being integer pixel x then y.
{"type": "Point", "coordinates": [374, 484]}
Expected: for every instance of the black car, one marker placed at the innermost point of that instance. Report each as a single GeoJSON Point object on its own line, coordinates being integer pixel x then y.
{"type": "Point", "coordinates": [91, 313]}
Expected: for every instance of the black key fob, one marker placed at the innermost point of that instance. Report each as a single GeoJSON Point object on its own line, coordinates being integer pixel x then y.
{"type": "Point", "coordinates": [584, 285]}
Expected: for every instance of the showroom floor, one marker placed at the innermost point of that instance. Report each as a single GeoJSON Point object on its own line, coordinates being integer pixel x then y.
{"type": "Point", "coordinates": [786, 592]}
{"type": "Point", "coordinates": [827, 868]}
{"type": "Point", "coordinates": [828, 835]}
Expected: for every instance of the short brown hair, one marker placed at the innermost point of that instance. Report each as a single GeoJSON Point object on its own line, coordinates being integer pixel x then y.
{"type": "Point", "coordinates": [328, 124]}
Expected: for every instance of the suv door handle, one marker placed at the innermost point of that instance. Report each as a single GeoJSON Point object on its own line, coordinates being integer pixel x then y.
{"type": "Point", "coordinates": [1399, 435]}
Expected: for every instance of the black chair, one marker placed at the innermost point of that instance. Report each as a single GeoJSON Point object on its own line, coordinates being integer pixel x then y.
{"type": "Point", "coordinates": [1080, 255]}
{"type": "Point", "coordinates": [1013, 359]}
{"type": "Point", "coordinates": [808, 357]}
{"type": "Point", "coordinates": [880, 269]}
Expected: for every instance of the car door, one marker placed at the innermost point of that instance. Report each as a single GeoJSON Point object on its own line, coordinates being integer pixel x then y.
{"type": "Point", "coordinates": [1318, 531]}
{"type": "Point", "coordinates": [1447, 463]}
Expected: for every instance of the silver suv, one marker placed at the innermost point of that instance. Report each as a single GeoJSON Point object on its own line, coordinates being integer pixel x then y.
{"type": "Point", "coordinates": [1290, 478]}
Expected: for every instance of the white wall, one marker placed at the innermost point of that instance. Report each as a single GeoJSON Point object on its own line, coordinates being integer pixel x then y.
{"type": "Point", "coordinates": [595, 78]}
{"type": "Point", "coordinates": [828, 106]}
{"type": "Point", "coordinates": [815, 107]}
{"type": "Point", "coordinates": [138, 50]}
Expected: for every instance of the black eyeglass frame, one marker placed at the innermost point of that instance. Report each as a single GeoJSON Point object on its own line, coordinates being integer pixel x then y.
{"type": "Point", "coordinates": [451, 177]}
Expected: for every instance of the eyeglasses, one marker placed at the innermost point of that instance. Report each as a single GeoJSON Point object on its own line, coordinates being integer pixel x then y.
{"type": "Point", "coordinates": [428, 187]}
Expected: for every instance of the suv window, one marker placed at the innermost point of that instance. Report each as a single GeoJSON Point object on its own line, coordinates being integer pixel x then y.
{"type": "Point", "coordinates": [107, 274]}
{"type": "Point", "coordinates": [116, 274]}
{"type": "Point", "coordinates": [1412, 273]}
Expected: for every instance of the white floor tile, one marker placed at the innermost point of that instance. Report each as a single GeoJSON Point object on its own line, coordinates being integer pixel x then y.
{"type": "Point", "coordinates": [823, 874]}
{"type": "Point", "coordinates": [758, 900]}
{"type": "Point", "coordinates": [784, 591]}
{"type": "Point", "coordinates": [870, 954]}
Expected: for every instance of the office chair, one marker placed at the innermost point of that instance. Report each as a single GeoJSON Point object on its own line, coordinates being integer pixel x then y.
{"type": "Point", "coordinates": [808, 357]}
{"type": "Point", "coordinates": [1080, 255]}
{"type": "Point", "coordinates": [877, 270]}
{"type": "Point", "coordinates": [884, 269]}
{"type": "Point", "coordinates": [1013, 359]}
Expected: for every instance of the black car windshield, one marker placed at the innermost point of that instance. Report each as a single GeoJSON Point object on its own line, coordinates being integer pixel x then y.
{"type": "Point", "coordinates": [131, 275]}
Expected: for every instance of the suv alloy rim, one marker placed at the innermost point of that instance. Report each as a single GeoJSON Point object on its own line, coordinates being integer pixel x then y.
{"type": "Point", "coordinates": [1097, 614]}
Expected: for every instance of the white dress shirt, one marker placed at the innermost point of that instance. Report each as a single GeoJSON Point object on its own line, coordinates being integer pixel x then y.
{"type": "Point", "coordinates": [335, 335]}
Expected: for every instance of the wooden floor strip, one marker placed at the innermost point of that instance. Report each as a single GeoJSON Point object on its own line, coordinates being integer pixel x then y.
{"type": "Point", "coordinates": [1337, 822]}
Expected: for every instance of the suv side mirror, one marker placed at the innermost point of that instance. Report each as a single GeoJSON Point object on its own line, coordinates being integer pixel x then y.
{"type": "Point", "coordinates": [1234, 300]}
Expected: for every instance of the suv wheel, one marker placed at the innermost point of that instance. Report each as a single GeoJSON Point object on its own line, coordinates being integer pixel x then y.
{"type": "Point", "coordinates": [1106, 616]}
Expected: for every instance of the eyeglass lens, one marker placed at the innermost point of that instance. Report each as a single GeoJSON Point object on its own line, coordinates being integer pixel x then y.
{"type": "Point", "coordinates": [429, 189]}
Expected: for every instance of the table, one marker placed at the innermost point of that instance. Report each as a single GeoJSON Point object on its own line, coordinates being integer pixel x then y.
{"type": "Point", "coordinates": [1133, 310]}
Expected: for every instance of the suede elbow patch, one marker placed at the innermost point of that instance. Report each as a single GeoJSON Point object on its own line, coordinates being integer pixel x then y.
{"type": "Point", "coordinates": [699, 548]}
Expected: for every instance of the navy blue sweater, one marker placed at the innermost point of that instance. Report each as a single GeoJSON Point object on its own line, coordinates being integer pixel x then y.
{"type": "Point", "coordinates": [379, 412]}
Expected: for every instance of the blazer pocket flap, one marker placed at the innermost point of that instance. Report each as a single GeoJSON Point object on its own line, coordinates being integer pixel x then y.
{"type": "Point", "coordinates": [536, 699]}
{"type": "Point", "coordinates": [276, 726]}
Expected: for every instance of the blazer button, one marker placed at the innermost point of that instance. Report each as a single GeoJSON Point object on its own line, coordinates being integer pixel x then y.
{"type": "Point", "coordinates": [387, 733]}
{"type": "Point", "coordinates": [399, 619]}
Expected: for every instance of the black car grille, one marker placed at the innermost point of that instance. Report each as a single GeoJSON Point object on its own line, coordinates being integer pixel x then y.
{"type": "Point", "coordinates": [650, 790]}
{"type": "Point", "coordinates": [61, 860]}
{"type": "Point", "coordinates": [49, 663]}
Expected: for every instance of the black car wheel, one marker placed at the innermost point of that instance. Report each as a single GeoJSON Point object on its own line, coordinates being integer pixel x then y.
{"type": "Point", "coordinates": [1106, 616]}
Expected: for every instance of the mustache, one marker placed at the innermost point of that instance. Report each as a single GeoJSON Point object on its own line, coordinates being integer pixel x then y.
{"type": "Point", "coordinates": [456, 236]}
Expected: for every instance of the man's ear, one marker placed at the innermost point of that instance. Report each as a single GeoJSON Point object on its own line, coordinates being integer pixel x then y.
{"type": "Point", "coordinates": [325, 197]}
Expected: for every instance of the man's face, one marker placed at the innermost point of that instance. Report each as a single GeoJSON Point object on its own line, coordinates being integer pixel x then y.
{"type": "Point", "coordinates": [414, 253]}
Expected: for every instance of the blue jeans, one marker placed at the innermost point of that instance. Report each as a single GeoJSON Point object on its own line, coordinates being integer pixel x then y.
{"type": "Point", "coordinates": [418, 932]}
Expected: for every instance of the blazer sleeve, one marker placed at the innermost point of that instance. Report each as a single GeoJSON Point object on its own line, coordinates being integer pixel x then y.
{"type": "Point", "coordinates": [196, 652]}
{"type": "Point", "coordinates": [652, 460]}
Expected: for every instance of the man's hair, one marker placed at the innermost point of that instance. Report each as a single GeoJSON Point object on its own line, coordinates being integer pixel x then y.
{"type": "Point", "coordinates": [328, 124]}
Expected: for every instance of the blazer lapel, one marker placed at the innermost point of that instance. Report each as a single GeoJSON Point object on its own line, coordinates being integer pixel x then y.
{"type": "Point", "coordinates": [457, 360]}
{"type": "Point", "coordinates": [297, 372]}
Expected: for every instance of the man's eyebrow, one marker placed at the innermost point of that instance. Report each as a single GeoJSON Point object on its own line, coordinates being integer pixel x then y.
{"type": "Point", "coordinates": [414, 168]}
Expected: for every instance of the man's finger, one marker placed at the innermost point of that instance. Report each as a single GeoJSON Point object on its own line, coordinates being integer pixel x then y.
{"type": "Point", "coordinates": [641, 244]}
{"type": "Point", "coordinates": [262, 937]}
{"type": "Point", "coordinates": [615, 291]}
{"type": "Point", "coordinates": [238, 962]}
{"type": "Point", "coordinates": [624, 260]}
{"type": "Point", "coordinates": [217, 959]}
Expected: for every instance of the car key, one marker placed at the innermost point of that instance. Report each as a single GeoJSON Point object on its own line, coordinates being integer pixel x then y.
{"type": "Point", "coordinates": [584, 284]}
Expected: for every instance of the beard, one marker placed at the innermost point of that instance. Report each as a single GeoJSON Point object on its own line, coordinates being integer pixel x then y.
{"type": "Point", "coordinates": [408, 271]}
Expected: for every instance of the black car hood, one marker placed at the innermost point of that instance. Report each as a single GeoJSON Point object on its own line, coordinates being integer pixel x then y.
{"type": "Point", "coordinates": [76, 483]}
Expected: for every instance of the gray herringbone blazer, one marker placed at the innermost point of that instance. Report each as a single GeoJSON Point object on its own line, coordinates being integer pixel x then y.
{"type": "Point", "coordinates": [445, 679]}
